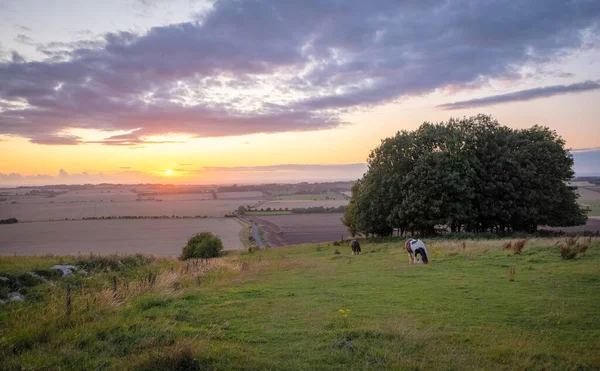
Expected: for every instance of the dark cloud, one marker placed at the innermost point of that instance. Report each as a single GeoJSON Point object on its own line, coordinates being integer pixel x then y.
{"type": "Point", "coordinates": [589, 149]}
{"type": "Point", "coordinates": [24, 28]}
{"type": "Point", "coordinates": [245, 67]}
{"type": "Point", "coordinates": [523, 95]}
{"type": "Point", "coordinates": [23, 39]}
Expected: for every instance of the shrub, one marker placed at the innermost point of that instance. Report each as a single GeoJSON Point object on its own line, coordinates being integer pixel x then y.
{"type": "Point", "coordinates": [337, 251]}
{"type": "Point", "coordinates": [99, 263]}
{"type": "Point", "coordinates": [9, 221]}
{"type": "Point", "coordinates": [203, 245]}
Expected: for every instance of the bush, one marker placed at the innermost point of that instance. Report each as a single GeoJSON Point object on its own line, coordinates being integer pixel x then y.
{"type": "Point", "coordinates": [203, 245]}
{"type": "Point", "coordinates": [9, 221]}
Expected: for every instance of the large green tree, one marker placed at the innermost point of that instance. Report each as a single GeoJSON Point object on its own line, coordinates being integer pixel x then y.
{"type": "Point", "coordinates": [467, 174]}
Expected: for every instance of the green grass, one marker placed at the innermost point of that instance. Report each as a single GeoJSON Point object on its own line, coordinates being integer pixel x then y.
{"type": "Point", "coordinates": [316, 196]}
{"type": "Point", "coordinates": [263, 213]}
{"type": "Point", "coordinates": [279, 309]}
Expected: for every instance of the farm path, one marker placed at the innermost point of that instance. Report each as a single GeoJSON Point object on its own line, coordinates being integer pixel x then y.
{"type": "Point", "coordinates": [257, 236]}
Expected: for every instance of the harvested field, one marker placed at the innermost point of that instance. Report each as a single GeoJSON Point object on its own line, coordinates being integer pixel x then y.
{"type": "Point", "coordinates": [293, 229]}
{"type": "Point", "coordinates": [158, 237]}
{"type": "Point", "coordinates": [291, 204]}
{"type": "Point", "coordinates": [586, 194]}
{"type": "Point", "coordinates": [79, 210]}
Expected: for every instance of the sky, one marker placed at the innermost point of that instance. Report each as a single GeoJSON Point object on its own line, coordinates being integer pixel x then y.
{"type": "Point", "coordinates": [204, 92]}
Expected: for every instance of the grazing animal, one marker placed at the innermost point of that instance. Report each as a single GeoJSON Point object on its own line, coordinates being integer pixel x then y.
{"type": "Point", "coordinates": [355, 247]}
{"type": "Point", "coordinates": [416, 247]}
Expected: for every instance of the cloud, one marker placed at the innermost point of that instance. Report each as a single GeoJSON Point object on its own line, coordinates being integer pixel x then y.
{"type": "Point", "coordinates": [289, 168]}
{"type": "Point", "coordinates": [289, 173]}
{"type": "Point", "coordinates": [125, 167]}
{"type": "Point", "coordinates": [523, 95]}
{"type": "Point", "coordinates": [589, 149]}
{"type": "Point", "coordinates": [23, 39]}
{"type": "Point", "coordinates": [245, 67]}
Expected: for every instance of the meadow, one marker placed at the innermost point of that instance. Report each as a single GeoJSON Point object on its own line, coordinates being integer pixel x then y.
{"type": "Point", "coordinates": [314, 307]}
{"type": "Point", "coordinates": [151, 236]}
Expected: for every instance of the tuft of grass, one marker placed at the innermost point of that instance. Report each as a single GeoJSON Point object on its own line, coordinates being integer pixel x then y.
{"type": "Point", "coordinates": [177, 358]}
{"type": "Point", "coordinates": [337, 251]}
{"type": "Point", "coordinates": [511, 274]}
{"type": "Point", "coordinates": [111, 263]}
{"type": "Point", "coordinates": [572, 247]}
{"type": "Point", "coordinates": [507, 246]}
{"type": "Point", "coordinates": [518, 247]}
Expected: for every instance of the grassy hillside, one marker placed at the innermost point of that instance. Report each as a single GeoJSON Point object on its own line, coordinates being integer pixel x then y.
{"type": "Point", "coordinates": [282, 309]}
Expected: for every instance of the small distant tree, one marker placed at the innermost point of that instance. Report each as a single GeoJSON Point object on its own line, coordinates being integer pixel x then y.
{"type": "Point", "coordinates": [203, 245]}
{"type": "Point", "coordinates": [241, 210]}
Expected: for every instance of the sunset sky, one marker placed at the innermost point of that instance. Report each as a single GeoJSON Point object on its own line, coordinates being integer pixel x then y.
{"type": "Point", "coordinates": [259, 91]}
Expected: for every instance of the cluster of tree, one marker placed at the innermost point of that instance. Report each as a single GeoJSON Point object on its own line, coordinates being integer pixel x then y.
{"type": "Point", "coordinates": [9, 221]}
{"type": "Point", "coordinates": [469, 174]}
{"type": "Point", "coordinates": [203, 245]}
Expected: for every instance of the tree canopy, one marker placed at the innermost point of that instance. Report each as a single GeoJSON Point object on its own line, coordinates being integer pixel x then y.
{"type": "Point", "coordinates": [469, 174]}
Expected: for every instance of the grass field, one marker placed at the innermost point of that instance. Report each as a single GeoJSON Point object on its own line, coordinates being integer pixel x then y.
{"type": "Point", "coordinates": [281, 309]}
{"type": "Point", "coordinates": [159, 237]}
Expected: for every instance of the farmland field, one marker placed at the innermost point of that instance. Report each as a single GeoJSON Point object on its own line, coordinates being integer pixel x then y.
{"type": "Point", "coordinates": [157, 237]}
{"type": "Point", "coordinates": [284, 230]}
{"type": "Point", "coordinates": [78, 210]}
{"type": "Point", "coordinates": [588, 194]}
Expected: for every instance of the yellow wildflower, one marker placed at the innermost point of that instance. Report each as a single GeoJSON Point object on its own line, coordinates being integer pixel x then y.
{"type": "Point", "coordinates": [341, 311]}
{"type": "Point", "coordinates": [347, 310]}
{"type": "Point", "coordinates": [437, 252]}
{"type": "Point", "coordinates": [345, 316]}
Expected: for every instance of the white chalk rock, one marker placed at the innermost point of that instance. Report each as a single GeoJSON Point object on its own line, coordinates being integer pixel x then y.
{"type": "Point", "coordinates": [65, 269]}
{"type": "Point", "coordinates": [15, 296]}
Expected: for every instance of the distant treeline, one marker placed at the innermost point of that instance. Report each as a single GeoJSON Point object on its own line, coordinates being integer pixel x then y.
{"type": "Point", "coordinates": [9, 221]}
{"type": "Point", "coordinates": [589, 179]}
{"type": "Point", "coordinates": [306, 210]}
{"type": "Point", "coordinates": [143, 217]}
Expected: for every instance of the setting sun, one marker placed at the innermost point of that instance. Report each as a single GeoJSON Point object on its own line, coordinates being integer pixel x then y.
{"type": "Point", "coordinates": [168, 171]}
